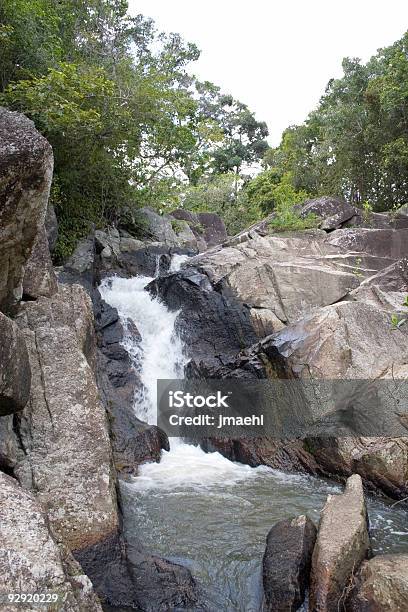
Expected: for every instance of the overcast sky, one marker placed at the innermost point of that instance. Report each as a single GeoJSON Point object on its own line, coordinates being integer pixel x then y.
{"type": "Point", "coordinates": [277, 56]}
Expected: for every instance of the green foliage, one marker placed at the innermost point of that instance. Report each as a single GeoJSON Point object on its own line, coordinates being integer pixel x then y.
{"type": "Point", "coordinates": [271, 190]}
{"type": "Point", "coordinates": [216, 193]}
{"type": "Point", "coordinates": [287, 218]}
{"type": "Point", "coordinates": [126, 120]}
{"type": "Point", "coordinates": [177, 226]}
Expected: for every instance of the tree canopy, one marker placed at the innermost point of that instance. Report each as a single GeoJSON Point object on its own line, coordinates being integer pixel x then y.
{"type": "Point", "coordinates": [127, 120]}
{"type": "Point", "coordinates": [355, 144]}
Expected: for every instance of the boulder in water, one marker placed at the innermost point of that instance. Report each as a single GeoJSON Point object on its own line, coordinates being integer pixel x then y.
{"type": "Point", "coordinates": [286, 563]}
{"type": "Point", "coordinates": [341, 546]}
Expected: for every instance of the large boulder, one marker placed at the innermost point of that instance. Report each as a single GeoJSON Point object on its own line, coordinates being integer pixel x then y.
{"type": "Point", "coordinates": [26, 164]}
{"type": "Point", "coordinates": [286, 564]}
{"type": "Point", "coordinates": [39, 276]}
{"type": "Point", "coordinates": [385, 243]}
{"type": "Point", "coordinates": [31, 561]}
{"type": "Point", "coordinates": [63, 429]}
{"type": "Point", "coordinates": [341, 546]}
{"type": "Point", "coordinates": [15, 372]}
{"type": "Point", "coordinates": [332, 211]}
{"type": "Point", "coordinates": [381, 585]}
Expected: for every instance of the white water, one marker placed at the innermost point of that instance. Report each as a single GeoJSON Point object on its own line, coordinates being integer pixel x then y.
{"type": "Point", "coordinates": [160, 355]}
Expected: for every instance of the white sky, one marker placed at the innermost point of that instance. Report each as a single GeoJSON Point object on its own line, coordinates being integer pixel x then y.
{"type": "Point", "coordinates": [277, 56]}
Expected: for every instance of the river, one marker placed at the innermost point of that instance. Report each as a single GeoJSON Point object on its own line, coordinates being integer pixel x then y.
{"type": "Point", "coordinates": [200, 509]}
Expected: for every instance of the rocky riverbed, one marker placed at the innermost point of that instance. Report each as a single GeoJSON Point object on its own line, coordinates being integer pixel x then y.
{"type": "Point", "coordinates": [75, 455]}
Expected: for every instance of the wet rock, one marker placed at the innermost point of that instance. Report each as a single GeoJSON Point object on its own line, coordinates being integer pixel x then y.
{"type": "Point", "coordinates": [63, 430]}
{"type": "Point", "coordinates": [15, 372]}
{"type": "Point", "coordinates": [341, 546]}
{"type": "Point", "coordinates": [381, 585]}
{"type": "Point", "coordinates": [39, 275]}
{"type": "Point", "coordinates": [26, 164]}
{"type": "Point", "coordinates": [213, 324]}
{"type": "Point", "coordinates": [126, 576]}
{"type": "Point", "coordinates": [133, 441]}
{"type": "Point", "coordinates": [287, 562]}
{"type": "Point", "coordinates": [284, 455]}
{"type": "Point", "coordinates": [31, 560]}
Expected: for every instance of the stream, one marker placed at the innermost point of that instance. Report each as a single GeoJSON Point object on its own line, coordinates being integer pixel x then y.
{"type": "Point", "coordinates": [200, 509]}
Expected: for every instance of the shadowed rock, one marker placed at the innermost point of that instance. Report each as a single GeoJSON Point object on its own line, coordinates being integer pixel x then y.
{"type": "Point", "coordinates": [26, 164]}
{"type": "Point", "coordinates": [15, 372]}
{"type": "Point", "coordinates": [286, 564]}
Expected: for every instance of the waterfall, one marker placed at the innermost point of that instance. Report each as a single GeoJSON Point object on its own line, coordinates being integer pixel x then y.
{"type": "Point", "coordinates": [160, 355]}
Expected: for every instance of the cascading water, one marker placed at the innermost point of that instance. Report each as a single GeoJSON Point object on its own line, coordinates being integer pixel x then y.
{"type": "Point", "coordinates": [207, 512]}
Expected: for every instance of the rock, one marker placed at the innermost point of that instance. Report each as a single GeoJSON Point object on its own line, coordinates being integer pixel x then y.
{"type": "Point", "coordinates": [333, 211]}
{"type": "Point", "coordinates": [214, 229]}
{"type": "Point", "coordinates": [341, 546]}
{"type": "Point", "coordinates": [284, 455]}
{"type": "Point", "coordinates": [213, 324]}
{"type": "Point", "coordinates": [286, 563]}
{"type": "Point", "coordinates": [26, 164]}
{"type": "Point", "coordinates": [133, 442]}
{"type": "Point", "coordinates": [15, 373]}
{"type": "Point", "coordinates": [31, 561]}
{"type": "Point", "coordinates": [10, 450]}
{"type": "Point", "coordinates": [39, 275]}
{"type": "Point", "coordinates": [349, 340]}
{"type": "Point", "coordinates": [63, 429]}
{"type": "Point", "coordinates": [80, 266]}
{"type": "Point", "coordinates": [381, 585]}
{"type": "Point", "coordinates": [139, 581]}
{"type": "Point", "coordinates": [387, 289]}
{"type": "Point", "coordinates": [157, 228]}
{"type": "Point", "coordinates": [388, 243]}
{"type": "Point", "coordinates": [195, 225]}
{"type": "Point", "coordinates": [51, 227]}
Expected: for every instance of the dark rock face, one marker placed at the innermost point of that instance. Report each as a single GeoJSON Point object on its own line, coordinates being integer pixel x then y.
{"type": "Point", "coordinates": [286, 564]}
{"type": "Point", "coordinates": [15, 372]}
{"type": "Point", "coordinates": [214, 228]}
{"type": "Point", "coordinates": [213, 324]}
{"type": "Point", "coordinates": [26, 164]}
{"type": "Point", "coordinates": [285, 455]}
{"type": "Point", "coordinates": [127, 577]}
